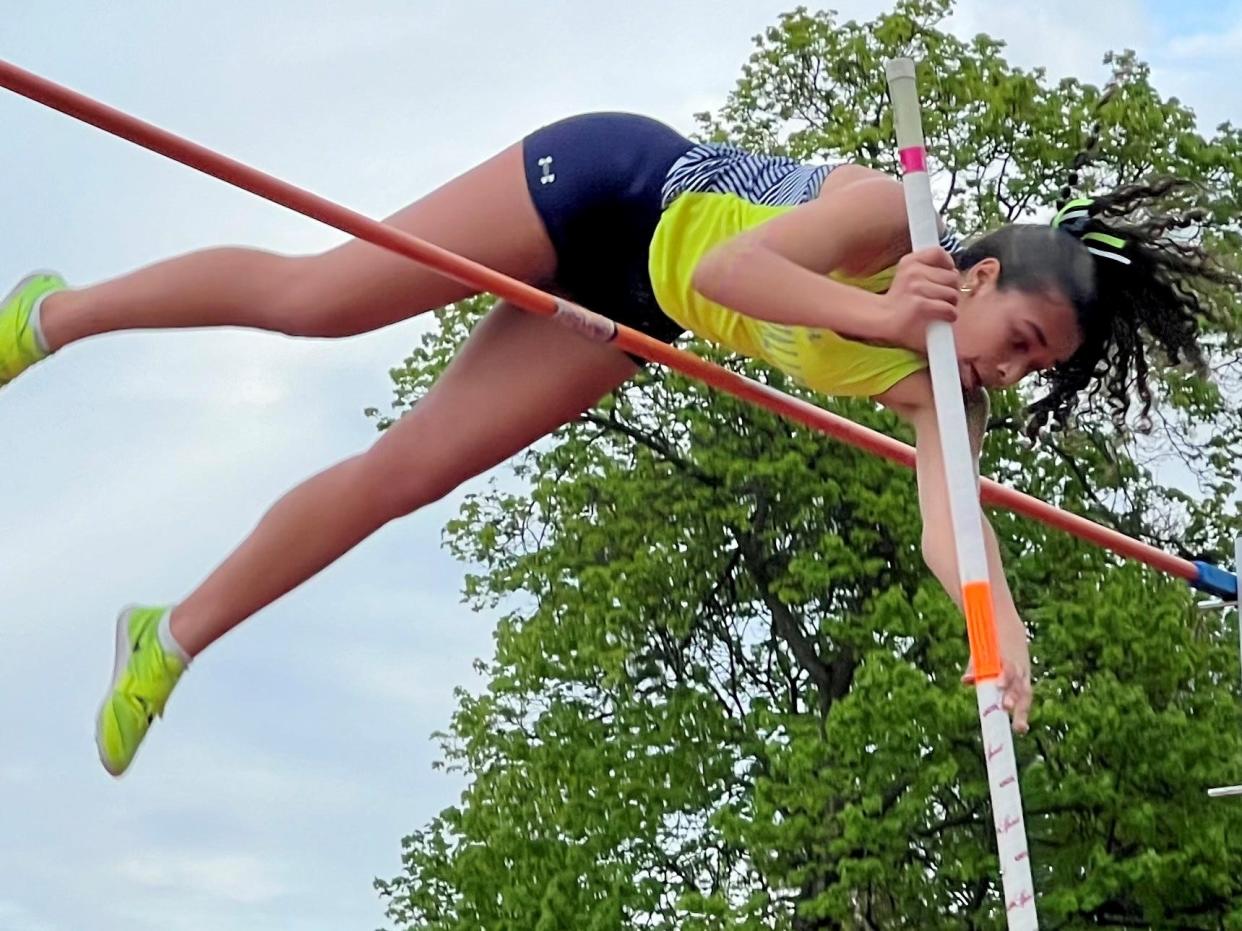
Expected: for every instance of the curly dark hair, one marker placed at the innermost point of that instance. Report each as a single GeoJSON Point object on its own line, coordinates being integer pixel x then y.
{"type": "Point", "coordinates": [1157, 302]}
{"type": "Point", "coordinates": [1146, 291]}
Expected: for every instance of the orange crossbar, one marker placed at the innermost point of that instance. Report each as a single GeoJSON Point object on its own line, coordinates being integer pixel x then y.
{"type": "Point", "coordinates": [540, 302]}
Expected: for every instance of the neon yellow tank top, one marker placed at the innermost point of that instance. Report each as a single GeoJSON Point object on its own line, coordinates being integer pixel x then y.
{"type": "Point", "coordinates": [692, 224]}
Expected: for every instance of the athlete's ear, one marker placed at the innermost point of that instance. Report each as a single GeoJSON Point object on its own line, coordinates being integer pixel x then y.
{"type": "Point", "coordinates": [982, 275]}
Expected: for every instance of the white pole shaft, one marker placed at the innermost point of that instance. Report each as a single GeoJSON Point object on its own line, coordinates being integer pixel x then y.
{"type": "Point", "coordinates": [1002, 768]}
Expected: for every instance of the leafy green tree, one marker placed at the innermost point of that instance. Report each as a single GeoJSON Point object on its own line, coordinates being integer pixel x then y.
{"type": "Point", "coordinates": [725, 690]}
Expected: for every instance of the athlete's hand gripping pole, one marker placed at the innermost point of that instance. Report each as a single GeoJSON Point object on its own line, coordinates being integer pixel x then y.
{"type": "Point", "coordinates": [959, 468]}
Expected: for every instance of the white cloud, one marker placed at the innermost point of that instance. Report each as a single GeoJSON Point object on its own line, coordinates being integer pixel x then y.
{"type": "Point", "coordinates": [240, 878]}
{"type": "Point", "coordinates": [15, 917]}
{"type": "Point", "coordinates": [223, 771]}
{"type": "Point", "coordinates": [1207, 46]}
{"type": "Point", "coordinates": [1067, 37]}
{"type": "Point", "coordinates": [18, 774]}
{"type": "Point", "coordinates": [413, 677]}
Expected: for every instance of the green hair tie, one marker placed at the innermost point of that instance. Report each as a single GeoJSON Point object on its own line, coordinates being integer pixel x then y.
{"type": "Point", "coordinates": [1074, 219]}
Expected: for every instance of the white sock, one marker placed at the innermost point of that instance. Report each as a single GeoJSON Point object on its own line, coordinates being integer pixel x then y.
{"type": "Point", "coordinates": [36, 324]}
{"type": "Point", "coordinates": [168, 641]}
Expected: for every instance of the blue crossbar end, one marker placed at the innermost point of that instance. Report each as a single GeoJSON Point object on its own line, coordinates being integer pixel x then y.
{"type": "Point", "coordinates": [1216, 581]}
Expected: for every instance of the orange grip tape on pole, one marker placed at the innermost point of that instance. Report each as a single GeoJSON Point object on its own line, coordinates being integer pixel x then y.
{"type": "Point", "coordinates": [981, 627]}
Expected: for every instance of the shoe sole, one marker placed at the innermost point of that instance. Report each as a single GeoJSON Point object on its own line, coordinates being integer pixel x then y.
{"type": "Point", "coordinates": [120, 661]}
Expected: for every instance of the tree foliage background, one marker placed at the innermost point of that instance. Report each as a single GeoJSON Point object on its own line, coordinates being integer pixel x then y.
{"type": "Point", "coordinates": [725, 690]}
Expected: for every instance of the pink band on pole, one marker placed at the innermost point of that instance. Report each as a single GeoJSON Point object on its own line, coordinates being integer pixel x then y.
{"type": "Point", "coordinates": [913, 159]}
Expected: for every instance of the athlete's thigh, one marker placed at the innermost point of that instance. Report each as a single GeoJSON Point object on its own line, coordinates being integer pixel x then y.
{"type": "Point", "coordinates": [517, 378]}
{"type": "Point", "coordinates": [486, 215]}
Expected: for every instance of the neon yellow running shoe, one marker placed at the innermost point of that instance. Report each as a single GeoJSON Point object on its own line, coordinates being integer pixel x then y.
{"type": "Point", "coordinates": [142, 680]}
{"type": "Point", "coordinates": [19, 342]}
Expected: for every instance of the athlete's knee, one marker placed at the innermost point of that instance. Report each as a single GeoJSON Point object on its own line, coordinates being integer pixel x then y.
{"type": "Point", "coordinates": [304, 302]}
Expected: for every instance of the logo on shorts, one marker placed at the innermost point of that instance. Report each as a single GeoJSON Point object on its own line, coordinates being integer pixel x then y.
{"type": "Point", "coordinates": [545, 165]}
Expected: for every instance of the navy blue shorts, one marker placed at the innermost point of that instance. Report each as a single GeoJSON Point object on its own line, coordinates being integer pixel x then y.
{"type": "Point", "coordinates": [596, 180]}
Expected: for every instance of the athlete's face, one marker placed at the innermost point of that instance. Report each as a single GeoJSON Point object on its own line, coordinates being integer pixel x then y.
{"type": "Point", "coordinates": [1004, 335]}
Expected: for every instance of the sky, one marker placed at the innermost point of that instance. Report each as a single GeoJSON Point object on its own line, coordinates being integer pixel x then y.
{"type": "Point", "coordinates": [298, 751]}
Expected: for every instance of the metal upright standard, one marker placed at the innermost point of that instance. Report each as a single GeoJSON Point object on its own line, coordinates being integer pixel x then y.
{"type": "Point", "coordinates": [1236, 604]}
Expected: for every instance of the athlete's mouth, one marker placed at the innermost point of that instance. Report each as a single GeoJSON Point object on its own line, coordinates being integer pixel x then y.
{"type": "Point", "coordinates": [970, 376]}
